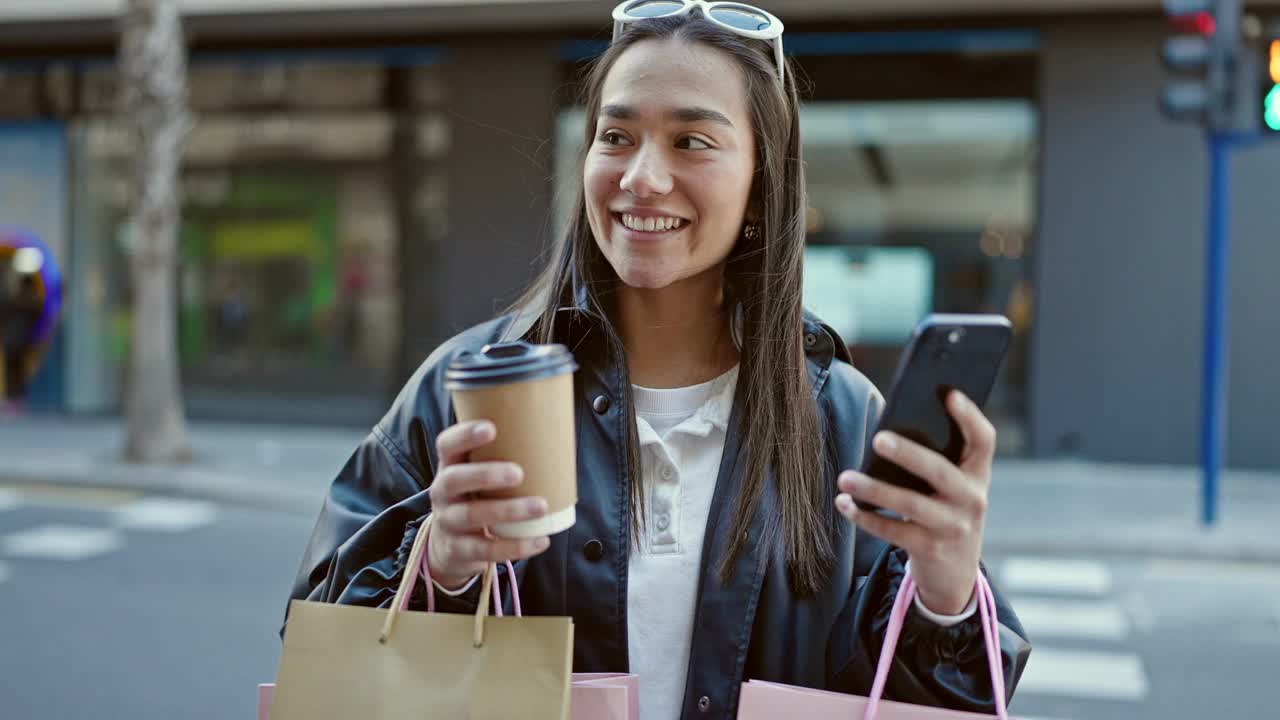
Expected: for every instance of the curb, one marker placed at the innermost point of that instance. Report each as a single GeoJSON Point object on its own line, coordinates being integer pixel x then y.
{"type": "Point", "coordinates": [1191, 548]}
{"type": "Point", "coordinates": [191, 482]}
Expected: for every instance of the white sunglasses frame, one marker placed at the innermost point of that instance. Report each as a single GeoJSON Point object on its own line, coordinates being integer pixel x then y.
{"type": "Point", "coordinates": [772, 33]}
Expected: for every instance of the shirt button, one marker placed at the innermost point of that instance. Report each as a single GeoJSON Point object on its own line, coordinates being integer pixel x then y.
{"type": "Point", "coordinates": [593, 551]}
{"type": "Point", "coordinates": [664, 521]}
{"type": "Point", "coordinates": [704, 704]}
{"type": "Point", "coordinates": [601, 404]}
{"type": "Point", "coordinates": [667, 472]}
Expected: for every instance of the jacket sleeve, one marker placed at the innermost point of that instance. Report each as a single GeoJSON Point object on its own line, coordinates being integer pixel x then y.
{"type": "Point", "coordinates": [933, 665]}
{"type": "Point", "coordinates": [360, 544]}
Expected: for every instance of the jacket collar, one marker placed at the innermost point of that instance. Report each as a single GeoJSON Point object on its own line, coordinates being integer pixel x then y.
{"type": "Point", "coordinates": [821, 342]}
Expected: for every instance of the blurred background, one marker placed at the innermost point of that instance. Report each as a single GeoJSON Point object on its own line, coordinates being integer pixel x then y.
{"type": "Point", "coordinates": [364, 179]}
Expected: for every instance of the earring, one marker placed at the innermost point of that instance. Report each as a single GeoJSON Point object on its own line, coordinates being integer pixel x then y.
{"type": "Point", "coordinates": [751, 232]}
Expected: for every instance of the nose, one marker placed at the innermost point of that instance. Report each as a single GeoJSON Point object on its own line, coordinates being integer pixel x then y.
{"type": "Point", "coordinates": [647, 175]}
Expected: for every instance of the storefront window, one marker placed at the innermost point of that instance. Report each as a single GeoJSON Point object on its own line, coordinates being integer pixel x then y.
{"type": "Point", "coordinates": [919, 207]}
{"type": "Point", "coordinates": [289, 291]}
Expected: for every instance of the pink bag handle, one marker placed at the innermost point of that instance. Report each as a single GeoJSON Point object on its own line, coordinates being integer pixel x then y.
{"type": "Point", "coordinates": [417, 564]}
{"type": "Point", "coordinates": [424, 569]}
{"type": "Point", "coordinates": [990, 629]}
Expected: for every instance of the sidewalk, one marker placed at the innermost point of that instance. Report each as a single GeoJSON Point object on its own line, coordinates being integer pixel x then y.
{"type": "Point", "coordinates": [273, 467]}
{"type": "Point", "coordinates": [1039, 507]}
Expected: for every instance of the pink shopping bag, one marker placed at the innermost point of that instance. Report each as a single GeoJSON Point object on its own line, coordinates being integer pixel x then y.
{"type": "Point", "coordinates": [604, 696]}
{"type": "Point", "coordinates": [592, 696]}
{"type": "Point", "coordinates": [773, 701]}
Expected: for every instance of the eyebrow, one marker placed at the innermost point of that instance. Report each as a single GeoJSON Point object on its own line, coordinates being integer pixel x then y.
{"type": "Point", "coordinates": [688, 114]}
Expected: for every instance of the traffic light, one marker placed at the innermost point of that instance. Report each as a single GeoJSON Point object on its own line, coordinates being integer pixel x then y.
{"type": "Point", "coordinates": [1203, 58]}
{"type": "Point", "coordinates": [1271, 84]}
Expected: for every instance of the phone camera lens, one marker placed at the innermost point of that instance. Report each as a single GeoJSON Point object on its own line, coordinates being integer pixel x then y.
{"type": "Point", "coordinates": [955, 336]}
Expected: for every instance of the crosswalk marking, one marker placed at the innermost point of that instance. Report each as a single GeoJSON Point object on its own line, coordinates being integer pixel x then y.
{"type": "Point", "coordinates": [165, 515]}
{"type": "Point", "coordinates": [1055, 575]}
{"type": "Point", "coordinates": [1085, 674]}
{"type": "Point", "coordinates": [61, 542]}
{"type": "Point", "coordinates": [1092, 619]}
{"type": "Point", "coordinates": [9, 499]}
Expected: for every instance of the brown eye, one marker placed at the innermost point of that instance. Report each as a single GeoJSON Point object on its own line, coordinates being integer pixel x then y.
{"type": "Point", "coordinates": [613, 137]}
{"type": "Point", "coordinates": [692, 143]}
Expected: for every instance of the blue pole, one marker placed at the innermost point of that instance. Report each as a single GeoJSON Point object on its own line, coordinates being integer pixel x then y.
{"type": "Point", "coordinates": [1214, 386]}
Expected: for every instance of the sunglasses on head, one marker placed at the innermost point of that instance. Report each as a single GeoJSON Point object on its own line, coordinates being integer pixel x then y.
{"type": "Point", "coordinates": [741, 19]}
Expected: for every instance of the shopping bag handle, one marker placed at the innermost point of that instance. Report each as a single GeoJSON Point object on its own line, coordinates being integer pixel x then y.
{"type": "Point", "coordinates": [417, 565]}
{"type": "Point", "coordinates": [990, 634]}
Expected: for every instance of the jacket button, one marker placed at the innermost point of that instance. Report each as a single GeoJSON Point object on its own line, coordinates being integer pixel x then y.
{"type": "Point", "coordinates": [704, 704]}
{"type": "Point", "coordinates": [593, 550]}
{"type": "Point", "coordinates": [601, 404]}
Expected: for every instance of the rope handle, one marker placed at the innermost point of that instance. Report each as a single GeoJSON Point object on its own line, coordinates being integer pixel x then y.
{"type": "Point", "coordinates": [418, 564]}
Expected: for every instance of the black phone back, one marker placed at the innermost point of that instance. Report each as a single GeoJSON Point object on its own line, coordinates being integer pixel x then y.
{"type": "Point", "coordinates": [947, 352]}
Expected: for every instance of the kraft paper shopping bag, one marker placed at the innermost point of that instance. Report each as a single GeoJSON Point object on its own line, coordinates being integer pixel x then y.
{"type": "Point", "coordinates": [341, 662]}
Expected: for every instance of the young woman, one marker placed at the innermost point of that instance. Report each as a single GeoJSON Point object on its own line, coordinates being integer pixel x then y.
{"type": "Point", "coordinates": [718, 421]}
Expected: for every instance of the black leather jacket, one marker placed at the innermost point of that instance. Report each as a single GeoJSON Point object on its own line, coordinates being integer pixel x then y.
{"type": "Point", "coordinates": [754, 627]}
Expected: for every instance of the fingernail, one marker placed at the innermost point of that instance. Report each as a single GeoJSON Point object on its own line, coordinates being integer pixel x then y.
{"type": "Point", "coordinates": [482, 430]}
{"type": "Point", "coordinates": [886, 442]}
{"type": "Point", "coordinates": [542, 543]}
{"type": "Point", "coordinates": [537, 505]}
{"type": "Point", "coordinates": [845, 503]}
{"type": "Point", "coordinates": [514, 474]}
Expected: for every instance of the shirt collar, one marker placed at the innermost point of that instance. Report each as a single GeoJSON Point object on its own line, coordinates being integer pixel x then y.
{"type": "Point", "coordinates": [711, 415]}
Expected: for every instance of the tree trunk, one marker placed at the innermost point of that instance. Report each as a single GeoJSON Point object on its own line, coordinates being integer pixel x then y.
{"type": "Point", "coordinates": [153, 84]}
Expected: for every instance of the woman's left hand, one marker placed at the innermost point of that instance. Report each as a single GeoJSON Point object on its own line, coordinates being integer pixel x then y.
{"type": "Point", "coordinates": [942, 533]}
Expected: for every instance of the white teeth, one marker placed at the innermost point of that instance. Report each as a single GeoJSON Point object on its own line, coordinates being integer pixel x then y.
{"type": "Point", "coordinates": [651, 224]}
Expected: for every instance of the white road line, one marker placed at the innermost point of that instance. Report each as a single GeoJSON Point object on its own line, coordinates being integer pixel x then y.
{"type": "Point", "coordinates": [9, 499]}
{"type": "Point", "coordinates": [165, 515]}
{"type": "Point", "coordinates": [61, 542]}
{"type": "Point", "coordinates": [1071, 618]}
{"type": "Point", "coordinates": [1055, 575]}
{"type": "Point", "coordinates": [1084, 674]}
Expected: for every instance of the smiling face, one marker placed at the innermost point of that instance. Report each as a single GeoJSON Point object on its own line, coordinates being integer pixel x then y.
{"type": "Point", "coordinates": [668, 175]}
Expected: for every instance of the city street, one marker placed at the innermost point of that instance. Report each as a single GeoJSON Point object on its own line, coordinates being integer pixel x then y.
{"type": "Point", "coordinates": [121, 605]}
{"type": "Point", "coordinates": [124, 607]}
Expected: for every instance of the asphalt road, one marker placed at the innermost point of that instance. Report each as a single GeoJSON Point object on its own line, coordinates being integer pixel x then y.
{"type": "Point", "coordinates": [123, 606]}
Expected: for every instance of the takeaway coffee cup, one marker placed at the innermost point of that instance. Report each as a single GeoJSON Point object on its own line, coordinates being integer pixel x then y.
{"type": "Point", "coordinates": [526, 391]}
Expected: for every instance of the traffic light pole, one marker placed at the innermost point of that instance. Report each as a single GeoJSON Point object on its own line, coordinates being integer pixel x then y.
{"type": "Point", "coordinates": [1213, 421]}
{"type": "Point", "coordinates": [1214, 384]}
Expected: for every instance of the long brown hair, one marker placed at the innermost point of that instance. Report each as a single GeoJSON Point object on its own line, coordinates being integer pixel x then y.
{"type": "Point", "coordinates": [763, 276]}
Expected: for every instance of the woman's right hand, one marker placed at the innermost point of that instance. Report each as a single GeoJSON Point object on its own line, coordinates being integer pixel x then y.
{"type": "Point", "coordinates": [458, 548]}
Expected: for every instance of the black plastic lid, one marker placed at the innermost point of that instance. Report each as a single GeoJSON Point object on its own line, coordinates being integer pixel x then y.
{"type": "Point", "coordinates": [508, 362]}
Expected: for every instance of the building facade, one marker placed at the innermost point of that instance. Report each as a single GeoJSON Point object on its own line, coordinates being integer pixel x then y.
{"type": "Point", "coordinates": [365, 179]}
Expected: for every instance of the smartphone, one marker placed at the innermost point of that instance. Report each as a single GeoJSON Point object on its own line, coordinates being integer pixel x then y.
{"type": "Point", "coordinates": [945, 353]}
